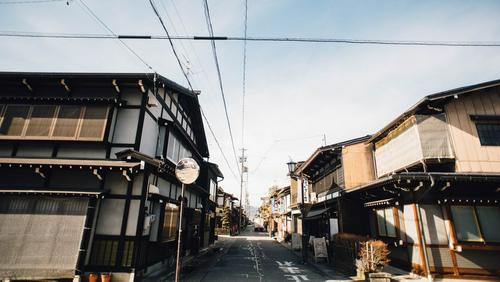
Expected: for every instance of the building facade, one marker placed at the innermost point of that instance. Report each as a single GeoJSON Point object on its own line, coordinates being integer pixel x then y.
{"type": "Point", "coordinates": [426, 184]}
{"type": "Point", "coordinates": [435, 199]}
{"type": "Point", "coordinates": [88, 185]}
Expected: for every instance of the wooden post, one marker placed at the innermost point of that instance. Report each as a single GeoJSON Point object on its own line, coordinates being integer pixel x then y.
{"type": "Point", "coordinates": [421, 239]}
{"type": "Point", "coordinates": [451, 237]}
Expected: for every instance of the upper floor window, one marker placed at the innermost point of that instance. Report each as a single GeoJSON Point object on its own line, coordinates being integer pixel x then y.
{"type": "Point", "coordinates": [488, 129]}
{"type": "Point", "coordinates": [213, 190]}
{"type": "Point", "coordinates": [176, 150]}
{"type": "Point", "coordinates": [65, 122]}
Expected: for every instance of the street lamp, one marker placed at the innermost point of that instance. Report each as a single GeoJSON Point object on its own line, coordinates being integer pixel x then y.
{"type": "Point", "coordinates": [303, 209]}
{"type": "Point", "coordinates": [291, 167]}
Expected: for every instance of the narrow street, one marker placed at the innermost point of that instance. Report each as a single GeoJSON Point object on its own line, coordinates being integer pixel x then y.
{"type": "Point", "coordinates": [253, 256]}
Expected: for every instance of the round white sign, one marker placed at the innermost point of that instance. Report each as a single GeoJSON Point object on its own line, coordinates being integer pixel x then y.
{"type": "Point", "coordinates": [187, 170]}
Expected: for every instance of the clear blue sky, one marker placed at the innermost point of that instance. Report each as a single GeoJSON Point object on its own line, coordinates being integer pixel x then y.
{"type": "Point", "coordinates": [296, 92]}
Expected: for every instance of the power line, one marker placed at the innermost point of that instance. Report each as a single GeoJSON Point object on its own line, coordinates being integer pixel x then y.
{"type": "Point", "coordinates": [258, 39]}
{"type": "Point", "coordinates": [189, 83]}
{"type": "Point", "coordinates": [217, 142]}
{"type": "Point", "coordinates": [171, 45]}
{"type": "Point", "coordinates": [94, 15]}
{"type": "Point", "coordinates": [214, 51]}
{"type": "Point", "coordinates": [32, 2]}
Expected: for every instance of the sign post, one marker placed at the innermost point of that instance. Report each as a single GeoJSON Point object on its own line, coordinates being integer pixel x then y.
{"type": "Point", "coordinates": [186, 171]}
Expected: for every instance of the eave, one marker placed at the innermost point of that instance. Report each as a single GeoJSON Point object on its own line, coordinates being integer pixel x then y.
{"type": "Point", "coordinates": [440, 97]}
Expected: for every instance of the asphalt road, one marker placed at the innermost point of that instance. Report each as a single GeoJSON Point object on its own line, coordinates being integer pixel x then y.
{"type": "Point", "coordinates": [252, 256]}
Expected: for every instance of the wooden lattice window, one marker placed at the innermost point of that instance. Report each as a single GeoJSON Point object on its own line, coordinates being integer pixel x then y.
{"type": "Point", "coordinates": [13, 120]}
{"type": "Point", "coordinates": [67, 121]}
{"type": "Point", "coordinates": [39, 122]}
{"type": "Point", "coordinates": [170, 222]}
{"type": "Point", "coordinates": [93, 122]}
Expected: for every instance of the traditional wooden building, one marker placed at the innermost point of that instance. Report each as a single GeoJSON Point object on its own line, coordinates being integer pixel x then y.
{"type": "Point", "coordinates": [328, 173]}
{"type": "Point", "coordinates": [87, 174]}
{"type": "Point", "coordinates": [436, 196]}
{"type": "Point", "coordinates": [227, 201]}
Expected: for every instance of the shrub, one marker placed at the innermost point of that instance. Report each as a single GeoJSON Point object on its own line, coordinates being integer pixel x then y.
{"type": "Point", "coordinates": [374, 255]}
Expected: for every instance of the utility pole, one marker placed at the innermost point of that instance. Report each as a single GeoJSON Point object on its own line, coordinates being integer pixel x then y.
{"type": "Point", "coordinates": [243, 160]}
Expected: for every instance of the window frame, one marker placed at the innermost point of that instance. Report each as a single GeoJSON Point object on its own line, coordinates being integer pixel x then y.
{"type": "Point", "coordinates": [476, 221]}
{"type": "Point", "coordinates": [394, 218]}
{"type": "Point", "coordinates": [55, 116]}
{"type": "Point", "coordinates": [481, 120]}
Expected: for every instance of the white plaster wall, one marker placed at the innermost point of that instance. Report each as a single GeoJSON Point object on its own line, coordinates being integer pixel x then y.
{"type": "Point", "coordinates": [126, 126]}
{"type": "Point", "coordinates": [110, 217]}
{"type": "Point", "coordinates": [85, 151]}
{"type": "Point", "coordinates": [149, 136]}
{"type": "Point", "coordinates": [154, 110]}
{"type": "Point", "coordinates": [132, 96]}
{"type": "Point", "coordinates": [133, 215]}
{"type": "Point", "coordinates": [137, 186]}
{"type": "Point", "coordinates": [410, 225]}
{"type": "Point", "coordinates": [116, 183]}
{"type": "Point", "coordinates": [164, 187]}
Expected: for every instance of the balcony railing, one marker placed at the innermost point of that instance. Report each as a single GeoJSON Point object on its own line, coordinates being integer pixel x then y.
{"type": "Point", "coordinates": [418, 139]}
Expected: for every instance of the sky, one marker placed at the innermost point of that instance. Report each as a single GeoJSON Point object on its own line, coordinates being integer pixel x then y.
{"type": "Point", "coordinates": [296, 93]}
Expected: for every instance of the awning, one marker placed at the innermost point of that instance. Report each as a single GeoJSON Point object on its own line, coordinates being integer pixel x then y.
{"type": "Point", "coordinates": [94, 193]}
{"type": "Point", "coordinates": [41, 236]}
{"type": "Point", "coordinates": [316, 213]}
{"type": "Point", "coordinates": [71, 163]}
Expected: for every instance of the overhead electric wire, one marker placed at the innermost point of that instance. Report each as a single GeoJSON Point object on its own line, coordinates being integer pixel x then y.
{"type": "Point", "coordinates": [258, 39]}
{"type": "Point", "coordinates": [189, 83]}
{"type": "Point", "coordinates": [214, 51]}
{"type": "Point", "coordinates": [31, 2]}
{"type": "Point", "coordinates": [171, 44]}
{"type": "Point", "coordinates": [218, 144]}
{"type": "Point", "coordinates": [94, 15]}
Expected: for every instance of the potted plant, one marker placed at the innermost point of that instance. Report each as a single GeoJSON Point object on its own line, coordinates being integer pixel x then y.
{"type": "Point", "coordinates": [92, 277]}
{"type": "Point", "coordinates": [373, 256]}
{"type": "Point", "coordinates": [105, 277]}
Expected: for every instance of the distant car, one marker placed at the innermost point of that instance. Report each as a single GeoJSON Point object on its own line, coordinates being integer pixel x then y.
{"type": "Point", "coordinates": [258, 225]}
